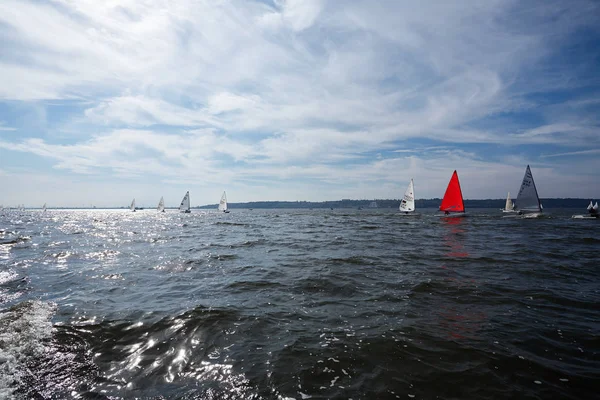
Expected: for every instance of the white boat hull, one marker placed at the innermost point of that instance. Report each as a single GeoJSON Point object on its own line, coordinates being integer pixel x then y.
{"type": "Point", "coordinates": [408, 214]}
{"type": "Point", "coordinates": [584, 217]}
{"type": "Point", "coordinates": [510, 211]}
{"type": "Point", "coordinates": [533, 215]}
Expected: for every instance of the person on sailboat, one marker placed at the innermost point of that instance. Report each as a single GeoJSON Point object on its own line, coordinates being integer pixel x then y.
{"type": "Point", "coordinates": [593, 209]}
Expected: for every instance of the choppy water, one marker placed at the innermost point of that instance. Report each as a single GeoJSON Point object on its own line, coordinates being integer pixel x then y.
{"type": "Point", "coordinates": [298, 304]}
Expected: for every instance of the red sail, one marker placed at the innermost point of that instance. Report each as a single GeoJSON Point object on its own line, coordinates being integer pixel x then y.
{"type": "Point", "coordinates": [453, 200]}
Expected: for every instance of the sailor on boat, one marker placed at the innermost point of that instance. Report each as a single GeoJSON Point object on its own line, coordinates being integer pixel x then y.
{"type": "Point", "coordinates": [593, 210]}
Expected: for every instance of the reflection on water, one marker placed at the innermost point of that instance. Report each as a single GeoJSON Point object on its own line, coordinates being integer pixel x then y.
{"type": "Point", "coordinates": [454, 234]}
{"type": "Point", "coordinates": [461, 322]}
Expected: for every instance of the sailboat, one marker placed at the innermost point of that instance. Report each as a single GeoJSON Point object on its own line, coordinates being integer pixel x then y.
{"type": "Point", "coordinates": [223, 204]}
{"type": "Point", "coordinates": [161, 205]}
{"type": "Point", "coordinates": [509, 207]}
{"type": "Point", "coordinates": [528, 201]}
{"type": "Point", "coordinates": [184, 207]}
{"type": "Point", "coordinates": [592, 210]}
{"type": "Point", "coordinates": [452, 203]}
{"type": "Point", "coordinates": [132, 206]}
{"type": "Point", "coordinates": [407, 205]}
{"type": "Point", "coordinates": [44, 208]}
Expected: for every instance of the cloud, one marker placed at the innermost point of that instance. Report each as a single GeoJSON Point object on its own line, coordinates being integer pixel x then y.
{"type": "Point", "coordinates": [5, 128]}
{"type": "Point", "coordinates": [144, 111]}
{"type": "Point", "coordinates": [573, 153]}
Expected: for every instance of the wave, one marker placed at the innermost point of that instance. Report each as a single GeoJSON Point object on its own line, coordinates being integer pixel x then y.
{"type": "Point", "coordinates": [231, 223]}
{"type": "Point", "coordinates": [25, 334]}
{"type": "Point", "coordinates": [15, 240]}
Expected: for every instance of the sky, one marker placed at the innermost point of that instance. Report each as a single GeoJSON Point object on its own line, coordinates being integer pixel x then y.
{"type": "Point", "coordinates": [105, 101]}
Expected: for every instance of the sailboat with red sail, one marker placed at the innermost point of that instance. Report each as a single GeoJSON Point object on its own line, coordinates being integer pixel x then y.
{"type": "Point", "coordinates": [452, 203]}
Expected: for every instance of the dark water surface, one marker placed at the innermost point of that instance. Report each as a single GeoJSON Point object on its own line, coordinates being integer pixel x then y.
{"type": "Point", "coordinates": [298, 304]}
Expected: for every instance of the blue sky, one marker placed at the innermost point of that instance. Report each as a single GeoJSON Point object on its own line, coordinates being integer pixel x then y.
{"type": "Point", "coordinates": [103, 101]}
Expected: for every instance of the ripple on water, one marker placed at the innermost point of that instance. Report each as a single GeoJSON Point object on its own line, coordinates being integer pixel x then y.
{"type": "Point", "coordinates": [297, 304]}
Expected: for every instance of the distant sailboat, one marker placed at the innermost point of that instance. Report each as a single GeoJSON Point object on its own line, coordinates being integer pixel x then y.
{"type": "Point", "coordinates": [407, 205]}
{"type": "Point", "coordinates": [592, 210]}
{"type": "Point", "coordinates": [223, 204]}
{"type": "Point", "coordinates": [184, 207]}
{"type": "Point", "coordinates": [452, 203]}
{"type": "Point", "coordinates": [132, 206]}
{"type": "Point", "coordinates": [44, 207]}
{"type": "Point", "coordinates": [161, 205]}
{"type": "Point", "coordinates": [528, 201]}
{"type": "Point", "coordinates": [510, 205]}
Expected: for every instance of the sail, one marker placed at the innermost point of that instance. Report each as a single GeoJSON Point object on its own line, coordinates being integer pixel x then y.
{"type": "Point", "coordinates": [223, 203]}
{"type": "Point", "coordinates": [185, 203]}
{"type": "Point", "coordinates": [453, 200]}
{"type": "Point", "coordinates": [509, 204]}
{"type": "Point", "coordinates": [44, 207]}
{"type": "Point", "coordinates": [408, 201]}
{"type": "Point", "coordinates": [595, 206]}
{"type": "Point", "coordinates": [528, 199]}
{"type": "Point", "coordinates": [161, 205]}
{"type": "Point", "coordinates": [591, 206]}
{"type": "Point", "coordinates": [132, 206]}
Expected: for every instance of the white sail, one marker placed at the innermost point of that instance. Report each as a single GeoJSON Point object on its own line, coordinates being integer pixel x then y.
{"type": "Point", "coordinates": [595, 206]}
{"type": "Point", "coordinates": [509, 204]}
{"type": "Point", "coordinates": [528, 199]}
{"type": "Point", "coordinates": [223, 203]}
{"type": "Point", "coordinates": [185, 203]}
{"type": "Point", "coordinates": [591, 206]}
{"type": "Point", "coordinates": [408, 201]}
{"type": "Point", "coordinates": [132, 206]}
{"type": "Point", "coordinates": [161, 205]}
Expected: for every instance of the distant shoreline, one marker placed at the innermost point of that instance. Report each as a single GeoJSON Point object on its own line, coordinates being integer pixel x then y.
{"type": "Point", "coordinates": [346, 203]}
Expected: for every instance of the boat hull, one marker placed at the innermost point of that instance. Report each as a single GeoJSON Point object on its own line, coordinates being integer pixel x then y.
{"type": "Point", "coordinates": [510, 211]}
{"type": "Point", "coordinates": [584, 217]}
{"type": "Point", "coordinates": [453, 215]}
{"type": "Point", "coordinates": [186, 211]}
{"type": "Point", "coordinates": [533, 215]}
{"type": "Point", "coordinates": [408, 214]}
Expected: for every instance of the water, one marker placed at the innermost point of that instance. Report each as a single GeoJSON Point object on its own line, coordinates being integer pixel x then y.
{"type": "Point", "coordinates": [298, 304]}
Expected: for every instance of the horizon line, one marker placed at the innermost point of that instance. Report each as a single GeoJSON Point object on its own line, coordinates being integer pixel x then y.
{"type": "Point", "coordinates": [272, 201]}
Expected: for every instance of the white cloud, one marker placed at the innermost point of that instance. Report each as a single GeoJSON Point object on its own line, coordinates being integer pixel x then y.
{"type": "Point", "coordinates": [143, 111]}
{"type": "Point", "coordinates": [5, 128]}
{"type": "Point", "coordinates": [224, 102]}
{"type": "Point", "coordinates": [573, 153]}
{"type": "Point", "coordinates": [300, 14]}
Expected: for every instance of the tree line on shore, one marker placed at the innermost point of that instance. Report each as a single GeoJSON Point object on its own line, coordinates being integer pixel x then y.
{"type": "Point", "coordinates": [394, 203]}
